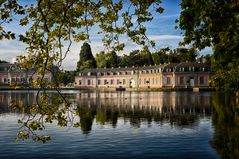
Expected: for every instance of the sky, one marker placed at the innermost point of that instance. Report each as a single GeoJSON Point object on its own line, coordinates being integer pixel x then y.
{"type": "Point", "coordinates": [161, 29]}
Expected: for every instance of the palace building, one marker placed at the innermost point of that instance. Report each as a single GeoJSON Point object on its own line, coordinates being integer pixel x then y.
{"type": "Point", "coordinates": [12, 74]}
{"type": "Point", "coordinates": [172, 75]}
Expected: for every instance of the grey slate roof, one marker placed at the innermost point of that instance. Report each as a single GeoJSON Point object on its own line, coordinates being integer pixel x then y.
{"type": "Point", "coordinates": [170, 67]}
{"type": "Point", "coordinates": [118, 69]}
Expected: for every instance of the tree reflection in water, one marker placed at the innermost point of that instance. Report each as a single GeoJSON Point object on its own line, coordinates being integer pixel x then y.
{"type": "Point", "coordinates": [86, 118]}
{"type": "Point", "coordinates": [225, 120]}
{"type": "Point", "coordinates": [179, 109]}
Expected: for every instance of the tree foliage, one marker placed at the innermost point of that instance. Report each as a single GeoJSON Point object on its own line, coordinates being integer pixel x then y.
{"type": "Point", "coordinates": [52, 27]}
{"type": "Point", "coordinates": [87, 60]}
{"type": "Point", "coordinates": [165, 55]}
{"type": "Point", "coordinates": [144, 57]}
{"type": "Point", "coordinates": [214, 23]}
{"type": "Point", "coordinates": [161, 56]}
{"type": "Point", "coordinates": [7, 9]}
{"type": "Point", "coordinates": [133, 59]}
{"type": "Point", "coordinates": [185, 54]}
{"type": "Point", "coordinates": [137, 58]}
{"type": "Point", "coordinates": [66, 77]}
{"type": "Point", "coordinates": [101, 59]}
{"type": "Point", "coordinates": [147, 56]}
{"type": "Point", "coordinates": [111, 59]}
{"type": "Point", "coordinates": [107, 60]}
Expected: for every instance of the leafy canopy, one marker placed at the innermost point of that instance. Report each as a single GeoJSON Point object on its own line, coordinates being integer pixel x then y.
{"type": "Point", "coordinates": [215, 23]}
{"type": "Point", "coordinates": [52, 27]}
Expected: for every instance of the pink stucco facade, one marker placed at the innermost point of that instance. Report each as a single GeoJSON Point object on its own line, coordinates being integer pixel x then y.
{"type": "Point", "coordinates": [174, 75]}
{"type": "Point", "coordinates": [11, 74]}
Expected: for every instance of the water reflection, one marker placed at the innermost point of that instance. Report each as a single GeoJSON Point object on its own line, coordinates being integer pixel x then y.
{"type": "Point", "coordinates": [7, 98]}
{"type": "Point", "coordinates": [225, 120]}
{"type": "Point", "coordinates": [178, 109]}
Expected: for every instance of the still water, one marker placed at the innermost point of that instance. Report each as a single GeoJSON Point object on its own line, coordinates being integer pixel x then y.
{"type": "Point", "coordinates": [129, 125]}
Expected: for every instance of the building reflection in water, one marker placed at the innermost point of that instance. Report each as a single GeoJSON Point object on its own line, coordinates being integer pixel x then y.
{"type": "Point", "coordinates": [8, 98]}
{"type": "Point", "coordinates": [176, 108]}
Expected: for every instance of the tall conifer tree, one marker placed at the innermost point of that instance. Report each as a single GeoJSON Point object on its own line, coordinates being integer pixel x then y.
{"type": "Point", "coordinates": [87, 59]}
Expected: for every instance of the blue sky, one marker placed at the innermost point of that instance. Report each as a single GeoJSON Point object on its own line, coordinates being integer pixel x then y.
{"type": "Point", "coordinates": [161, 29]}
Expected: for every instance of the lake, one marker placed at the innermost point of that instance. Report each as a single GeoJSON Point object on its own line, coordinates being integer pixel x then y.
{"type": "Point", "coordinates": [128, 125]}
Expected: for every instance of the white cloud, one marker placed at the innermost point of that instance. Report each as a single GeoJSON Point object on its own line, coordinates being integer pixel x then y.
{"type": "Point", "coordinates": [10, 49]}
{"type": "Point", "coordinates": [168, 16]}
{"type": "Point", "coordinates": [165, 37]}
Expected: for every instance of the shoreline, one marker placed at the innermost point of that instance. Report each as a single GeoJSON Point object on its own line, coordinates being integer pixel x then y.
{"type": "Point", "coordinates": [114, 89]}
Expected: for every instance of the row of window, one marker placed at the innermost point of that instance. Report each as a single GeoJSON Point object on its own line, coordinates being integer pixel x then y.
{"type": "Point", "coordinates": [17, 80]}
{"type": "Point", "coordinates": [152, 81]}
{"type": "Point", "coordinates": [154, 71]}
{"type": "Point", "coordinates": [192, 69]}
{"type": "Point", "coordinates": [123, 82]}
{"type": "Point", "coordinates": [105, 82]}
{"type": "Point", "coordinates": [122, 72]}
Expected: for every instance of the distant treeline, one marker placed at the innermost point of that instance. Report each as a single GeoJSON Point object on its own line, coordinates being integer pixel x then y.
{"type": "Point", "coordinates": [137, 58]}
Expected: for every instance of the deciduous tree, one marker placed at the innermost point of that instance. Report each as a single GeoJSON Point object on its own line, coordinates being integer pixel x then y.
{"type": "Point", "coordinates": [101, 59]}
{"type": "Point", "coordinates": [52, 27]}
{"type": "Point", "coordinates": [209, 23]}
